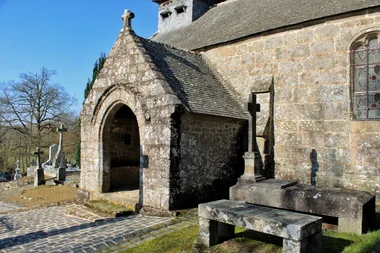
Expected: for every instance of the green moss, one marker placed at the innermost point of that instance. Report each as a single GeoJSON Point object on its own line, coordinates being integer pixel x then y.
{"type": "Point", "coordinates": [106, 207]}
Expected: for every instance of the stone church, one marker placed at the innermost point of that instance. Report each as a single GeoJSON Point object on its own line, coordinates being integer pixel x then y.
{"type": "Point", "coordinates": [168, 116]}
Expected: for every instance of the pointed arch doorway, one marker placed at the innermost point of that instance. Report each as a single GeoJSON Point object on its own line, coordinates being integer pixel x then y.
{"type": "Point", "coordinates": [121, 155]}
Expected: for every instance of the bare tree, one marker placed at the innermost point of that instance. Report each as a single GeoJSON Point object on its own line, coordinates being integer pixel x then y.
{"type": "Point", "coordinates": [34, 105]}
{"type": "Point", "coordinates": [3, 128]}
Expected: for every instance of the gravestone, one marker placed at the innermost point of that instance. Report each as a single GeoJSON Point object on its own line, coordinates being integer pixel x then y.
{"type": "Point", "coordinates": [53, 149]}
{"type": "Point", "coordinates": [57, 159]}
{"type": "Point", "coordinates": [17, 174]}
{"type": "Point", "coordinates": [39, 177]}
{"type": "Point", "coordinates": [31, 167]}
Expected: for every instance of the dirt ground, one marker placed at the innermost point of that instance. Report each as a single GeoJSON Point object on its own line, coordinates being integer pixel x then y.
{"type": "Point", "coordinates": [42, 195]}
{"type": "Point", "coordinates": [29, 196]}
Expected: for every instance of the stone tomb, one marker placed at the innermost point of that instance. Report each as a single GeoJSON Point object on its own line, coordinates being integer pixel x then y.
{"type": "Point", "coordinates": [355, 210]}
{"type": "Point", "coordinates": [301, 232]}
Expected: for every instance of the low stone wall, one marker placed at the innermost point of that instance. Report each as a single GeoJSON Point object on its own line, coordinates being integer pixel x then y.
{"type": "Point", "coordinates": [15, 184]}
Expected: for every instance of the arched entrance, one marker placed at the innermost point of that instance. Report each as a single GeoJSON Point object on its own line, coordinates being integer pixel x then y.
{"type": "Point", "coordinates": [121, 151]}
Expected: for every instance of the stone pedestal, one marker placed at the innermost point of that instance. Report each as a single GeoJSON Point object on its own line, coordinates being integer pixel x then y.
{"type": "Point", "coordinates": [61, 175]}
{"type": "Point", "coordinates": [39, 177]}
{"type": "Point", "coordinates": [251, 168]}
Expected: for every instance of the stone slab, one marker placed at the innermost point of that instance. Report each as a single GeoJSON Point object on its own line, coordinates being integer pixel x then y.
{"type": "Point", "coordinates": [347, 205]}
{"type": "Point", "coordinates": [275, 183]}
{"type": "Point", "coordinates": [289, 225]}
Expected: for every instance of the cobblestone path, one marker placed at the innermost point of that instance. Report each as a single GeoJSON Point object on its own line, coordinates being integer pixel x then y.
{"type": "Point", "coordinates": [51, 230]}
{"type": "Point", "coordinates": [5, 207]}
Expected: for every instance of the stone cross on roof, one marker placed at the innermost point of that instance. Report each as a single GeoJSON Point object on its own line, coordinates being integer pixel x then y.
{"type": "Point", "coordinates": [127, 18]}
{"type": "Point", "coordinates": [253, 108]}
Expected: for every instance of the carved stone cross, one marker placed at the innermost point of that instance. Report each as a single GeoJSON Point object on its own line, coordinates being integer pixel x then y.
{"type": "Point", "coordinates": [127, 18]}
{"type": "Point", "coordinates": [61, 130]}
{"type": "Point", "coordinates": [253, 108]}
{"type": "Point", "coordinates": [38, 153]}
{"type": "Point", "coordinates": [18, 164]}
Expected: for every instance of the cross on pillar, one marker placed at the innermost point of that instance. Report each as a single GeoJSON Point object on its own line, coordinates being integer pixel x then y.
{"type": "Point", "coordinates": [253, 109]}
{"type": "Point", "coordinates": [61, 130]}
{"type": "Point", "coordinates": [127, 18]}
{"type": "Point", "coordinates": [38, 153]}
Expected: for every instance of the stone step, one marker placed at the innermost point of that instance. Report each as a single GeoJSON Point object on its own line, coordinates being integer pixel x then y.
{"type": "Point", "coordinates": [85, 213]}
{"type": "Point", "coordinates": [125, 199]}
{"type": "Point", "coordinates": [103, 207]}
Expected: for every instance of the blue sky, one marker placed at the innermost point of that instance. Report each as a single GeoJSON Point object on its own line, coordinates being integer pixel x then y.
{"type": "Point", "coordinates": [65, 35]}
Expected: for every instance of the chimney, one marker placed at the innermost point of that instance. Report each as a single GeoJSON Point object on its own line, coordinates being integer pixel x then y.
{"type": "Point", "coordinates": [173, 14]}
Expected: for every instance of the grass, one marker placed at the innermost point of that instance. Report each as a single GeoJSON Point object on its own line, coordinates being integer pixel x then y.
{"type": "Point", "coordinates": [106, 207]}
{"type": "Point", "coordinates": [184, 240]}
{"type": "Point", "coordinates": [180, 241]}
{"type": "Point", "coordinates": [349, 243]}
{"type": "Point", "coordinates": [44, 195]}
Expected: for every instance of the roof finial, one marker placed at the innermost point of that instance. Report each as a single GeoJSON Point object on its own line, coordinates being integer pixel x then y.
{"type": "Point", "coordinates": [127, 18]}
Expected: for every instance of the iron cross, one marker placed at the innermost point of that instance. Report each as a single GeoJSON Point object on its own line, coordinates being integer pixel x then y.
{"type": "Point", "coordinates": [38, 153]}
{"type": "Point", "coordinates": [253, 109]}
{"type": "Point", "coordinates": [127, 18]}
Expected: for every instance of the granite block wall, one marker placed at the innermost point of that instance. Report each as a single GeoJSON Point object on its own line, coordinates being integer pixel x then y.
{"type": "Point", "coordinates": [309, 68]}
{"type": "Point", "coordinates": [211, 150]}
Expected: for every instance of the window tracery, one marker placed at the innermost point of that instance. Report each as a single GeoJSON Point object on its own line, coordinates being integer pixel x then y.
{"type": "Point", "coordinates": [366, 78]}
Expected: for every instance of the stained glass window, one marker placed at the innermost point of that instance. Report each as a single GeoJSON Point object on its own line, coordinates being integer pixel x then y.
{"type": "Point", "coordinates": [366, 79]}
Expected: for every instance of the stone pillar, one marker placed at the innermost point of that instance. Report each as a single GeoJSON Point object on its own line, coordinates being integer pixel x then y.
{"type": "Point", "coordinates": [61, 172]}
{"type": "Point", "coordinates": [311, 244]}
{"type": "Point", "coordinates": [39, 177]}
{"type": "Point", "coordinates": [208, 232]}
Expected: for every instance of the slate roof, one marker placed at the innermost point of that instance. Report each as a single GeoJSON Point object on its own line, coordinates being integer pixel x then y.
{"type": "Point", "coordinates": [240, 18]}
{"type": "Point", "coordinates": [193, 81]}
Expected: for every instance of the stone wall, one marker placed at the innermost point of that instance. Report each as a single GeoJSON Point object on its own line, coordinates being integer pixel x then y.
{"type": "Point", "coordinates": [309, 68]}
{"type": "Point", "coordinates": [211, 150]}
{"type": "Point", "coordinates": [194, 9]}
{"type": "Point", "coordinates": [15, 184]}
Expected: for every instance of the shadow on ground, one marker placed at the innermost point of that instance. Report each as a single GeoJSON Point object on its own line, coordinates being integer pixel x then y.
{"type": "Point", "coordinates": [37, 235]}
{"type": "Point", "coordinates": [330, 244]}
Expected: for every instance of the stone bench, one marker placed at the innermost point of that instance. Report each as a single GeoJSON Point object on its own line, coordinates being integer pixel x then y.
{"type": "Point", "coordinates": [354, 209]}
{"type": "Point", "coordinates": [301, 232]}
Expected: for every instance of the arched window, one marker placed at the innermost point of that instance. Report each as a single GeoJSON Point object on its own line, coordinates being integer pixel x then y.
{"type": "Point", "coordinates": [366, 78]}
